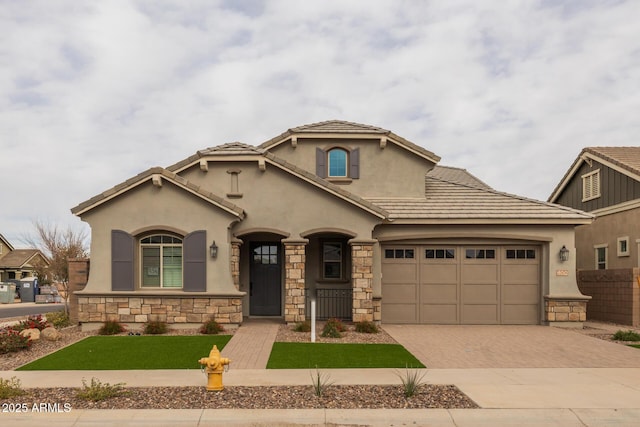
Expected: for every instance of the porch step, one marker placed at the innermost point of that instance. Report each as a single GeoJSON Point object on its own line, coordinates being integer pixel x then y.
{"type": "Point", "coordinates": [251, 345]}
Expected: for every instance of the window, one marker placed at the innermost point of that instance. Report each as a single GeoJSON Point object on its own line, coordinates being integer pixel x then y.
{"type": "Point", "coordinates": [338, 162]}
{"type": "Point", "coordinates": [480, 253]}
{"type": "Point", "coordinates": [399, 253]}
{"type": "Point", "coordinates": [591, 185]}
{"type": "Point", "coordinates": [520, 254]}
{"type": "Point", "coordinates": [265, 254]}
{"type": "Point", "coordinates": [440, 253]}
{"type": "Point", "coordinates": [332, 260]}
{"type": "Point", "coordinates": [623, 246]}
{"type": "Point", "coordinates": [161, 261]}
{"type": "Point", "coordinates": [601, 257]}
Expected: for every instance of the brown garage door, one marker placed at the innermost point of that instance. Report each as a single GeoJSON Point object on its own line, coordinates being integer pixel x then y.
{"type": "Point", "coordinates": [461, 284]}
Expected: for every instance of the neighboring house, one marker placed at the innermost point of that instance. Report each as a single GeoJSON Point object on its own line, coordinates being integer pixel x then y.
{"type": "Point", "coordinates": [353, 214]}
{"type": "Point", "coordinates": [16, 264]}
{"type": "Point", "coordinates": [605, 181]}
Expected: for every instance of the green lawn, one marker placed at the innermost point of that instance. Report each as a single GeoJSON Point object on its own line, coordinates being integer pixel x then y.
{"type": "Point", "coordinates": [323, 355]}
{"type": "Point", "coordinates": [634, 345]}
{"type": "Point", "coordinates": [130, 352]}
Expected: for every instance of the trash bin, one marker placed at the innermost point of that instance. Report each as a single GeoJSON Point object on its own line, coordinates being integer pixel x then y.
{"type": "Point", "coordinates": [28, 287]}
{"type": "Point", "coordinates": [7, 293]}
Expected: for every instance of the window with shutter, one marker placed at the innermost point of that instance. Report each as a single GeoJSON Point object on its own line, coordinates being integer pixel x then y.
{"type": "Point", "coordinates": [591, 185]}
{"type": "Point", "coordinates": [122, 249]}
{"type": "Point", "coordinates": [338, 163]}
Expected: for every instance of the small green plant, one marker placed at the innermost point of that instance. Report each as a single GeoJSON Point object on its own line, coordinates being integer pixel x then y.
{"type": "Point", "coordinates": [366, 327]}
{"type": "Point", "coordinates": [58, 319]}
{"type": "Point", "coordinates": [32, 322]}
{"type": "Point", "coordinates": [155, 327]}
{"type": "Point", "coordinates": [111, 327]}
{"type": "Point", "coordinates": [302, 326]}
{"type": "Point", "coordinates": [11, 341]}
{"type": "Point", "coordinates": [626, 336]}
{"type": "Point", "coordinates": [100, 391]}
{"type": "Point", "coordinates": [411, 381]}
{"type": "Point", "coordinates": [333, 329]}
{"type": "Point", "coordinates": [211, 327]}
{"type": "Point", "coordinates": [10, 388]}
{"type": "Point", "coordinates": [321, 382]}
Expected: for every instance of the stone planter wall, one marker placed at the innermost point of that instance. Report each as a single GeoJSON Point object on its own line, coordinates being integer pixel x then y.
{"type": "Point", "coordinates": [170, 309]}
{"type": "Point", "coordinates": [571, 312]}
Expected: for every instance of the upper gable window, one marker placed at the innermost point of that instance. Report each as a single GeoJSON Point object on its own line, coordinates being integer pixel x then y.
{"type": "Point", "coordinates": [338, 163]}
{"type": "Point", "coordinates": [591, 185]}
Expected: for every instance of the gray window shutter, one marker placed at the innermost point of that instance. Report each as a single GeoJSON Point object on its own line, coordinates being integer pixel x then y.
{"type": "Point", "coordinates": [194, 249]}
{"type": "Point", "coordinates": [122, 248]}
{"type": "Point", "coordinates": [321, 166]}
{"type": "Point", "coordinates": [354, 166]}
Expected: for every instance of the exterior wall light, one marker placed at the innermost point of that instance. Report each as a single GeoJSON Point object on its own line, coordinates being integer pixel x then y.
{"type": "Point", "coordinates": [564, 254]}
{"type": "Point", "coordinates": [213, 250]}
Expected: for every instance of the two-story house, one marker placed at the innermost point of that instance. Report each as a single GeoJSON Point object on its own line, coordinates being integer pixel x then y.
{"type": "Point", "coordinates": [605, 181]}
{"type": "Point", "coordinates": [338, 209]}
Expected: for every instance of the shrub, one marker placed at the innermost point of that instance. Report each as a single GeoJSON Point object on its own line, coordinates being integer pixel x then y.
{"type": "Point", "coordinates": [302, 326]}
{"type": "Point", "coordinates": [59, 319]}
{"type": "Point", "coordinates": [626, 336]}
{"type": "Point", "coordinates": [11, 341]}
{"type": "Point", "coordinates": [10, 388]}
{"type": "Point", "coordinates": [155, 327]}
{"type": "Point", "coordinates": [411, 381]}
{"type": "Point", "coordinates": [333, 329]}
{"type": "Point", "coordinates": [320, 382]}
{"type": "Point", "coordinates": [211, 327]}
{"type": "Point", "coordinates": [32, 322]}
{"type": "Point", "coordinates": [111, 327]}
{"type": "Point", "coordinates": [366, 327]}
{"type": "Point", "coordinates": [99, 391]}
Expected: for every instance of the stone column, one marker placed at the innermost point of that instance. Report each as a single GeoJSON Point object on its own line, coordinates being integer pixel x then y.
{"type": "Point", "coordinates": [362, 279]}
{"type": "Point", "coordinates": [235, 262]}
{"type": "Point", "coordinates": [294, 281]}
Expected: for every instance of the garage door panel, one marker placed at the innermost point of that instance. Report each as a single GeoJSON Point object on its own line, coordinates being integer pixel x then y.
{"type": "Point", "coordinates": [474, 294]}
{"type": "Point", "coordinates": [400, 313]}
{"type": "Point", "coordinates": [400, 273]}
{"type": "Point", "coordinates": [474, 273]}
{"type": "Point", "coordinates": [485, 314]}
{"type": "Point", "coordinates": [512, 293]}
{"type": "Point", "coordinates": [401, 293]}
{"type": "Point", "coordinates": [520, 314]}
{"type": "Point", "coordinates": [439, 293]}
{"type": "Point", "coordinates": [439, 273]}
{"type": "Point", "coordinates": [512, 273]}
{"type": "Point", "coordinates": [443, 314]}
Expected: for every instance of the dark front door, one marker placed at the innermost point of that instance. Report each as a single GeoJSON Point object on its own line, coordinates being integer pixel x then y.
{"type": "Point", "coordinates": [266, 273]}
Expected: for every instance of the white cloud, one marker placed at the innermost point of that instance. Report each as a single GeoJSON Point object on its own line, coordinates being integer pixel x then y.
{"type": "Point", "coordinates": [95, 92]}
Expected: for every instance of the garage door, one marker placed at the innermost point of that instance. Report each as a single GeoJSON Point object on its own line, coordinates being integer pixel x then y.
{"type": "Point", "coordinates": [461, 284]}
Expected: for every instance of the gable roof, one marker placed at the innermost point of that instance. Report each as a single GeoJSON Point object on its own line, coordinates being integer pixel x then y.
{"type": "Point", "coordinates": [154, 174]}
{"type": "Point", "coordinates": [335, 128]}
{"type": "Point", "coordinates": [6, 242]}
{"type": "Point", "coordinates": [19, 257]}
{"type": "Point", "coordinates": [455, 202]}
{"type": "Point", "coordinates": [625, 160]}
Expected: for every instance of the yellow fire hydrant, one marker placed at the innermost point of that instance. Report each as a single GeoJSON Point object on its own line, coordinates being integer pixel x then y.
{"type": "Point", "coordinates": [213, 367]}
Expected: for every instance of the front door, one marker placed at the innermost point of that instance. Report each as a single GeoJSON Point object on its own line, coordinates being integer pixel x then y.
{"type": "Point", "coordinates": [266, 273]}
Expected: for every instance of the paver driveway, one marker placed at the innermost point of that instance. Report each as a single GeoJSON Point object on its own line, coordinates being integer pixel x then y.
{"type": "Point", "coordinates": [461, 346]}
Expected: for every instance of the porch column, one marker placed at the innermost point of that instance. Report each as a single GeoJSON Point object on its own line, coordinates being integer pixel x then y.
{"type": "Point", "coordinates": [362, 279]}
{"type": "Point", "coordinates": [294, 284]}
{"type": "Point", "coordinates": [235, 262]}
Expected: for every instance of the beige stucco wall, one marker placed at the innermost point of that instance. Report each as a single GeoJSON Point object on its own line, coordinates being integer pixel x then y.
{"type": "Point", "coordinates": [558, 278]}
{"type": "Point", "coordinates": [382, 170]}
{"type": "Point", "coordinates": [166, 208]}
{"type": "Point", "coordinates": [605, 230]}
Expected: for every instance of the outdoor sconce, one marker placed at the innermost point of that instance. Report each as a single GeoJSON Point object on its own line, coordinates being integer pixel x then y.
{"type": "Point", "coordinates": [213, 250]}
{"type": "Point", "coordinates": [564, 254]}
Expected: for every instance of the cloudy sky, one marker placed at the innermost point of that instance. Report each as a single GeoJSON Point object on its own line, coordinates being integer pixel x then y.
{"type": "Point", "coordinates": [94, 92]}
